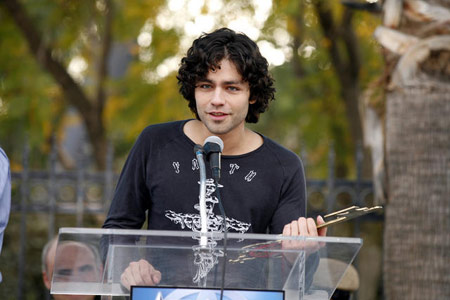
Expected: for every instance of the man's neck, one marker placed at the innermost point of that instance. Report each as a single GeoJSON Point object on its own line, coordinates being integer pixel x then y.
{"type": "Point", "coordinates": [239, 141]}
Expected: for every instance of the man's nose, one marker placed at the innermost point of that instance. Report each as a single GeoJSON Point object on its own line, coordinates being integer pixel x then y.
{"type": "Point", "coordinates": [217, 97]}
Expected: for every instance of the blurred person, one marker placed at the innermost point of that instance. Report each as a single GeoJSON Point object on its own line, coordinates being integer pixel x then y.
{"type": "Point", "coordinates": [5, 196]}
{"type": "Point", "coordinates": [77, 262]}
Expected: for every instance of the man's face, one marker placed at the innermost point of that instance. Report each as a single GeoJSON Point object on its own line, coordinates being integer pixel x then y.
{"type": "Point", "coordinates": [75, 263]}
{"type": "Point", "coordinates": [222, 99]}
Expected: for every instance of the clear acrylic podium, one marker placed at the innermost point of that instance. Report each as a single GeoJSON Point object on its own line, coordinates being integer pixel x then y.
{"type": "Point", "coordinates": [91, 261]}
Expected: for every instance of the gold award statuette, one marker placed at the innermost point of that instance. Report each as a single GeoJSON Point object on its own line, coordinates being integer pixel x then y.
{"type": "Point", "coordinates": [347, 214]}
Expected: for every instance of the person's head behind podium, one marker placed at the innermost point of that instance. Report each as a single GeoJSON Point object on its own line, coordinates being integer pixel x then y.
{"type": "Point", "coordinates": [206, 54]}
{"type": "Point", "coordinates": [77, 262]}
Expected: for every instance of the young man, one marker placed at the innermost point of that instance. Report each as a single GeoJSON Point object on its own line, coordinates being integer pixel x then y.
{"type": "Point", "coordinates": [226, 81]}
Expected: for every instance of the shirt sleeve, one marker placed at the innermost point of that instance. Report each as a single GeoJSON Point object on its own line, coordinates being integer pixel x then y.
{"type": "Point", "coordinates": [132, 197]}
{"type": "Point", "coordinates": [292, 201]}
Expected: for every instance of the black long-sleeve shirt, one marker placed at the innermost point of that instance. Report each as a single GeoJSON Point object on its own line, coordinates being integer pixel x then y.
{"type": "Point", "coordinates": [261, 189]}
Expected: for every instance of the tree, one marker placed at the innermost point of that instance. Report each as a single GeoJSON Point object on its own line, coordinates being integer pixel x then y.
{"type": "Point", "coordinates": [92, 31]}
{"type": "Point", "coordinates": [323, 79]}
{"type": "Point", "coordinates": [417, 216]}
{"type": "Point", "coordinates": [90, 108]}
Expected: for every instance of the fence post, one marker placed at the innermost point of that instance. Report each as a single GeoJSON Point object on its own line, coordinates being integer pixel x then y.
{"type": "Point", "coordinates": [24, 192]}
{"type": "Point", "coordinates": [80, 188]}
{"type": "Point", "coordinates": [304, 158]}
{"type": "Point", "coordinates": [108, 187]}
{"type": "Point", "coordinates": [358, 184]}
{"type": "Point", "coordinates": [331, 178]}
{"type": "Point", "coordinates": [52, 190]}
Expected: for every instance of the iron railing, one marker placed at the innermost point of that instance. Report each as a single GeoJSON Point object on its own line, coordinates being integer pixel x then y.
{"type": "Point", "coordinates": [82, 192]}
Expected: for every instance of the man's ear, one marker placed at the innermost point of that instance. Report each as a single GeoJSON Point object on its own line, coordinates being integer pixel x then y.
{"type": "Point", "coordinates": [47, 281]}
{"type": "Point", "coordinates": [252, 101]}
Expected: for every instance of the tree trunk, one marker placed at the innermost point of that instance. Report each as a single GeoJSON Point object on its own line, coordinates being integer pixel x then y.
{"type": "Point", "coordinates": [417, 217]}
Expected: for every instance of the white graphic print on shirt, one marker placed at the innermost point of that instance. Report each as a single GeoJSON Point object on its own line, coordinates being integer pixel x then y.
{"type": "Point", "coordinates": [214, 222]}
{"type": "Point", "coordinates": [206, 260]}
{"type": "Point", "coordinates": [250, 176]}
{"type": "Point", "coordinates": [195, 165]}
{"type": "Point", "coordinates": [176, 166]}
{"type": "Point", "coordinates": [233, 167]}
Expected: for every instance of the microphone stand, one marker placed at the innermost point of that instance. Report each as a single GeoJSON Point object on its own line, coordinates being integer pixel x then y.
{"type": "Point", "coordinates": [203, 217]}
{"type": "Point", "coordinates": [202, 197]}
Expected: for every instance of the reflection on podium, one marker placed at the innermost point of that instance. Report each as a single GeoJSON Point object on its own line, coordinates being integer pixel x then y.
{"type": "Point", "coordinates": [77, 262]}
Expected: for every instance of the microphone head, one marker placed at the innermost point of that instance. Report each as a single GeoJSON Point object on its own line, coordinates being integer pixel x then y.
{"type": "Point", "coordinates": [215, 140]}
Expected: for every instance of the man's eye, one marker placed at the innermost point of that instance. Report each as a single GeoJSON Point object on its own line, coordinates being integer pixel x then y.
{"type": "Point", "coordinates": [64, 272]}
{"type": "Point", "coordinates": [86, 268]}
{"type": "Point", "coordinates": [233, 88]}
{"type": "Point", "coordinates": [204, 86]}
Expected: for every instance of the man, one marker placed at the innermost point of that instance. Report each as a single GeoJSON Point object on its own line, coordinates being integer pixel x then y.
{"type": "Point", "coordinates": [77, 262]}
{"type": "Point", "coordinates": [226, 82]}
{"type": "Point", "coordinates": [5, 196]}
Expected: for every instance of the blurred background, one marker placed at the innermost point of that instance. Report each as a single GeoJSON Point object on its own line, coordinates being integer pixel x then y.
{"type": "Point", "coordinates": [79, 80]}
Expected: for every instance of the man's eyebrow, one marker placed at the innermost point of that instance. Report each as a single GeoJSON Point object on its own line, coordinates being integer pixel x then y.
{"type": "Point", "coordinates": [204, 80]}
{"type": "Point", "coordinates": [229, 82]}
{"type": "Point", "coordinates": [225, 82]}
{"type": "Point", "coordinates": [235, 82]}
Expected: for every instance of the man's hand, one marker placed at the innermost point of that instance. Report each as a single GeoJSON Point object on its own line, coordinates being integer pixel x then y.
{"type": "Point", "coordinates": [140, 273]}
{"type": "Point", "coordinates": [303, 227]}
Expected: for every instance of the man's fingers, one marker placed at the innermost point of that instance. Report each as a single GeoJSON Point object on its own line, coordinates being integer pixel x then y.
{"type": "Point", "coordinates": [303, 227]}
{"type": "Point", "coordinates": [294, 228]}
{"type": "Point", "coordinates": [145, 271]}
{"type": "Point", "coordinates": [140, 273]}
{"type": "Point", "coordinates": [156, 277]}
{"type": "Point", "coordinates": [312, 228]}
{"type": "Point", "coordinates": [134, 274]}
{"type": "Point", "coordinates": [287, 229]}
{"type": "Point", "coordinates": [127, 278]}
{"type": "Point", "coordinates": [321, 231]}
{"type": "Point", "coordinates": [286, 232]}
{"type": "Point", "coordinates": [124, 281]}
{"type": "Point", "coordinates": [150, 275]}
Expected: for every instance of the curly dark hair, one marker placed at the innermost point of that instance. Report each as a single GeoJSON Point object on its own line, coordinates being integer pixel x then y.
{"type": "Point", "coordinates": [209, 50]}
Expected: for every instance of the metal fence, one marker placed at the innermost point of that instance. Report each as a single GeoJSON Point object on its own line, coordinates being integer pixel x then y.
{"type": "Point", "coordinates": [83, 192]}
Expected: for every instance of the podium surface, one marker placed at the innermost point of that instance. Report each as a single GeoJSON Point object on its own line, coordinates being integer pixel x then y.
{"type": "Point", "coordinates": [91, 261]}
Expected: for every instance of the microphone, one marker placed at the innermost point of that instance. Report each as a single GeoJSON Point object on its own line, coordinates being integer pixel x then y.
{"type": "Point", "coordinates": [213, 147]}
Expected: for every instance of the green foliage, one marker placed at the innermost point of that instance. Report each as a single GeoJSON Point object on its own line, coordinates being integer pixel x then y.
{"type": "Point", "coordinates": [307, 116]}
{"type": "Point", "coordinates": [26, 92]}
